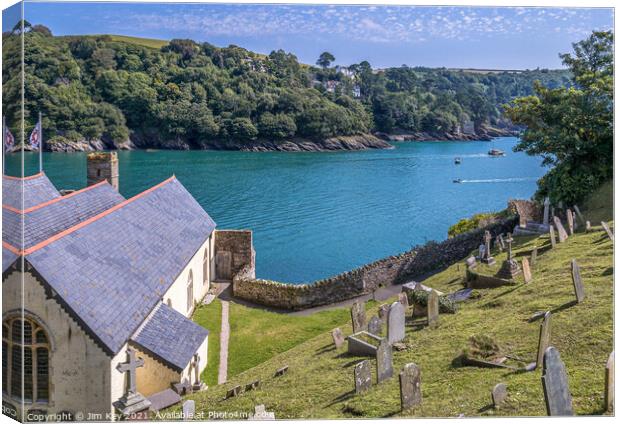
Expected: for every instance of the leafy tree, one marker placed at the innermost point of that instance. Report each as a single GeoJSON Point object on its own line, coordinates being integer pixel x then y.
{"type": "Point", "coordinates": [572, 128]}
{"type": "Point", "coordinates": [325, 59]}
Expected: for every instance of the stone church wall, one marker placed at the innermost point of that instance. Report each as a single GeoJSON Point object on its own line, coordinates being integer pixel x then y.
{"type": "Point", "coordinates": [81, 373]}
{"type": "Point", "coordinates": [237, 243]}
{"type": "Point", "coordinates": [397, 269]}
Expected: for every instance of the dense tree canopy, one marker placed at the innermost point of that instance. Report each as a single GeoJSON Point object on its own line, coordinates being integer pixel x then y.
{"type": "Point", "coordinates": [193, 95]}
{"type": "Point", "coordinates": [572, 128]}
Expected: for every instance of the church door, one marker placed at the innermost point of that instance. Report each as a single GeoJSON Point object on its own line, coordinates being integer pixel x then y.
{"type": "Point", "coordinates": [223, 265]}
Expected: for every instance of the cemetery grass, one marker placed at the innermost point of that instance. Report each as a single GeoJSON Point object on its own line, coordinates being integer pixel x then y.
{"type": "Point", "coordinates": [320, 383]}
{"type": "Point", "coordinates": [210, 317]}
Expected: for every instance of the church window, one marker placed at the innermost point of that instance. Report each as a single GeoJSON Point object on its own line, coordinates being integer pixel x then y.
{"type": "Point", "coordinates": [190, 291]}
{"type": "Point", "coordinates": [25, 350]}
{"type": "Point", "coordinates": [205, 267]}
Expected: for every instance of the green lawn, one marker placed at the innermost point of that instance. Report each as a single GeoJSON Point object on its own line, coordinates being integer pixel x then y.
{"type": "Point", "coordinates": [210, 317]}
{"type": "Point", "coordinates": [146, 42]}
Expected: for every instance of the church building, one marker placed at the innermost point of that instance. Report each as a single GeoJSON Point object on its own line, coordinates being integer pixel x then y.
{"type": "Point", "coordinates": [98, 291]}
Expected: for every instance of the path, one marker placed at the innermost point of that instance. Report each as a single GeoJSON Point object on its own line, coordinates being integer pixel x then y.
{"type": "Point", "coordinates": [224, 336]}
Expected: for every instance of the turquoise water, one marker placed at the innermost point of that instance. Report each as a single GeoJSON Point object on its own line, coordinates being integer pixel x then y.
{"type": "Point", "coordinates": [318, 214]}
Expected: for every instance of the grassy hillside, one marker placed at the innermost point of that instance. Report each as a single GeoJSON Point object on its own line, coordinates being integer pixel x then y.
{"type": "Point", "coordinates": [145, 42]}
{"type": "Point", "coordinates": [320, 381]}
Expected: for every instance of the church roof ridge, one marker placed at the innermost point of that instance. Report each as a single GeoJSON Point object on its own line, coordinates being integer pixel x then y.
{"type": "Point", "coordinates": [29, 177]}
{"type": "Point", "coordinates": [83, 224]}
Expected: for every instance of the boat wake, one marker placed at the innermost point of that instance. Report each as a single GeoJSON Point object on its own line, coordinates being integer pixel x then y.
{"type": "Point", "coordinates": [501, 180]}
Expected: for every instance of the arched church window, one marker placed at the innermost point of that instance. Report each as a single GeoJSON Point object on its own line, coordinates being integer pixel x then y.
{"type": "Point", "coordinates": [190, 290]}
{"type": "Point", "coordinates": [205, 267]}
{"type": "Point", "coordinates": [25, 348]}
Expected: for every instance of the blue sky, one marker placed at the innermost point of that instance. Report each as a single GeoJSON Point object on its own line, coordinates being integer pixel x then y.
{"type": "Point", "coordinates": [478, 37]}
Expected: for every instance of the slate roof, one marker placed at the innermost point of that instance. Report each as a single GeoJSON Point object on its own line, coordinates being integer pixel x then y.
{"type": "Point", "coordinates": [62, 213]}
{"type": "Point", "coordinates": [170, 336]}
{"type": "Point", "coordinates": [37, 189]}
{"type": "Point", "coordinates": [8, 258]}
{"type": "Point", "coordinates": [112, 272]}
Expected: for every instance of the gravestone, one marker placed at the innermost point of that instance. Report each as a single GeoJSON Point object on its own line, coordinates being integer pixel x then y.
{"type": "Point", "coordinates": [410, 387]}
{"type": "Point", "coordinates": [569, 220]}
{"type": "Point", "coordinates": [261, 414]}
{"type": "Point", "coordinates": [577, 282]}
{"type": "Point", "coordinates": [432, 309]}
{"type": "Point", "coordinates": [534, 257]}
{"type": "Point", "coordinates": [383, 312]}
{"type": "Point", "coordinates": [608, 230]}
{"type": "Point", "coordinates": [609, 383]}
{"type": "Point", "coordinates": [384, 361]}
{"type": "Point", "coordinates": [544, 336]}
{"type": "Point", "coordinates": [498, 243]}
{"type": "Point", "coordinates": [471, 262]}
{"type": "Point", "coordinates": [132, 402]}
{"type": "Point", "coordinates": [499, 395]}
{"type": "Point", "coordinates": [189, 409]}
{"type": "Point", "coordinates": [403, 299]}
{"type": "Point", "coordinates": [481, 251]}
{"type": "Point", "coordinates": [281, 371]}
{"type": "Point", "coordinates": [546, 204]}
{"type": "Point", "coordinates": [579, 214]}
{"type": "Point", "coordinates": [486, 257]}
{"type": "Point", "coordinates": [338, 337]}
{"type": "Point", "coordinates": [562, 236]}
{"type": "Point", "coordinates": [363, 379]}
{"type": "Point", "coordinates": [575, 222]}
{"type": "Point", "coordinates": [253, 385]}
{"type": "Point", "coordinates": [510, 268]}
{"type": "Point", "coordinates": [358, 316]}
{"type": "Point", "coordinates": [375, 326]}
{"type": "Point", "coordinates": [555, 385]}
{"type": "Point", "coordinates": [396, 323]}
{"type": "Point", "coordinates": [234, 392]}
{"type": "Point", "coordinates": [501, 241]}
{"type": "Point", "coordinates": [552, 236]}
{"type": "Point", "coordinates": [588, 227]}
{"type": "Point", "coordinates": [527, 273]}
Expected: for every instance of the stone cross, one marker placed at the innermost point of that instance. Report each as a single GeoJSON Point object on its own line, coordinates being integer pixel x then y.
{"type": "Point", "coordinates": [534, 256]}
{"type": "Point", "coordinates": [384, 361]}
{"type": "Point", "coordinates": [558, 400]}
{"type": "Point", "coordinates": [338, 337]}
{"type": "Point", "coordinates": [546, 211]}
{"type": "Point", "coordinates": [410, 388]}
{"type": "Point", "coordinates": [544, 336]}
{"type": "Point", "coordinates": [396, 323]}
{"type": "Point", "coordinates": [527, 273]}
{"type": "Point", "coordinates": [375, 325]}
{"type": "Point", "coordinates": [552, 236]}
{"type": "Point", "coordinates": [499, 395]}
{"type": "Point", "coordinates": [608, 230]}
{"type": "Point", "coordinates": [432, 309]}
{"type": "Point", "coordinates": [581, 218]}
{"type": "Point", "coordinates": [569, 219]}
{"type": "Point", "coordinates": [358, 316]}
{"type": "Point", "coordinates": [609, 383]}
{"type": "Point", "coordinates": [486, 257]}
{"type": "Point", "coordinates": [363, 378]}
{"type": "Point", "coordinates": [130, 367]}
{"type": "Point", "coordinates": [577, 282]}
{"type": "Point", "coordinates": [509, 240]}
{"type": "Point", "coordinates": [189, 409]}
{"type": "Point", "coordinates": [562, 236]}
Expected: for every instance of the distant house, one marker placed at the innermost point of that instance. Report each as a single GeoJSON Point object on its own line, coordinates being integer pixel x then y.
{"type": "Point", "coordinates": [345, 71]}
{"type": "Point", "coordinates": [331, 85]}
{"type": "Point", "coordinates": [356, 91]}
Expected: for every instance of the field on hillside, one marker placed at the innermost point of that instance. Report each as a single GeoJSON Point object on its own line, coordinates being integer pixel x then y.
{"type": "Point", "coordinates": [146, 42]}
{"type": "Point", "coordinates": [320, 381]}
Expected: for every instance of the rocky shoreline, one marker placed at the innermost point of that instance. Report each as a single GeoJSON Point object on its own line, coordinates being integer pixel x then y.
{"type": "Point", "coordinates": [331, 144]}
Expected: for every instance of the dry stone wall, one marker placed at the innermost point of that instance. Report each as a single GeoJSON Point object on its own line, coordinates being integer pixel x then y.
{"type": "Point", "coordinates": [239, 244]}
{"type": "Point", "coordinates": [397, 269]}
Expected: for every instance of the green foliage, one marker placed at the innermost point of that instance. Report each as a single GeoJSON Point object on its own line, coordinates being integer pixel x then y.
{"type": "Point", "coordinates": [325, 59]}
{"type": "Point", "coordinates": [478, 220]}
{"type": "Point", "coordinates": [420, 297]}
{"type": "Point", "coordinates": [572, 128]}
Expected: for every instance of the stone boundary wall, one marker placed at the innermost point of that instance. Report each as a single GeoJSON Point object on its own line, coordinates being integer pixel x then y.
{"type": "Point", "coordinates": [239, 244]}
{"type": "Point", "coordinates": [397, 269]}
{"type": "Point", "coordinates": [527, 210]}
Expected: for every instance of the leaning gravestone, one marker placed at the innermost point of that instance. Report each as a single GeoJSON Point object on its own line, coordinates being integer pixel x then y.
{"type": "Point", "coordinates": [498, 243]}
{"type": "Point", "coordinates": [562, 236]}
{"type": "Point", "coordinates": [555, 384]}
{"type": "Point", "coordinates": [363, 379]}
{"type": "Point", "coordinates": [375, 326]}
{"type": "Point", "coordinates": [534, 257]}
{"type": "Point", "coordinates": [384, 361]}
{"type": "Point", "coordinates": [189, 408]}
{"type": "Point", "coordinates": [432, 309]}
{"type": "Point", "coordinates": [608, 230]}
{"type": "Point", "coordinates": [527, 272]}
{"type": "Point", "coordinates": [569, 220]}
{"type": "Point", "coordinates": [575, 222]}
{"type": "Point", "coordinates": [383, 312]}
{"type": "Point", "coordinates": [577, 282]}
{"type": "Point", "coordinates": [544, 336]}
{"type": "Point", "coordinates": [358, 317]}
{"type": "Point", "coordinates": [581, 218]}
{"type": "Point", "coordinates": [338, 337]}
{"type": "Point", "coordinates": [410, 389]}
{"type": "Point", "coordinates": [552, 236]}
{"type": "Point", "coordinates": [403, 299]}
{"type": "Point", "coordinates": [609, 383]}
{"type": "Point", "coordinates": [499, 395]}
{"type": "Point", "coordinates": [501, 241]}
{"type": "Point", "coordinates": [396, 323]}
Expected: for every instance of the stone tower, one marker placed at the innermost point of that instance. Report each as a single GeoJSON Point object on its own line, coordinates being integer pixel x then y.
{"type": "Point", "coordinates": [102, 166]}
